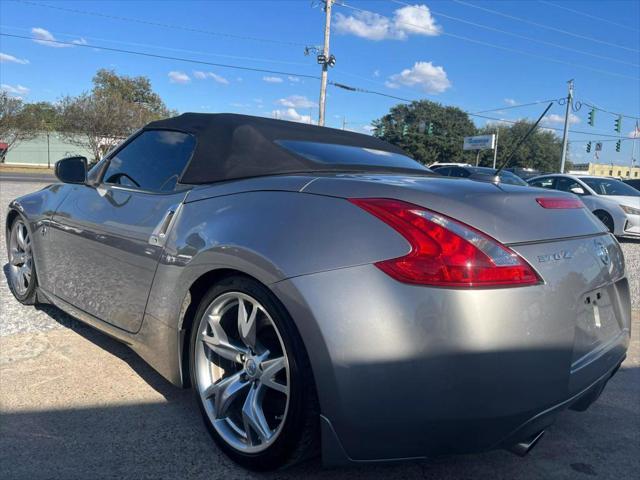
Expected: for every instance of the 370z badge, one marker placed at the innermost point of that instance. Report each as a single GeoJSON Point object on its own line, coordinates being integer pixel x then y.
{"type": "Point", "coordinates": [555, 256]}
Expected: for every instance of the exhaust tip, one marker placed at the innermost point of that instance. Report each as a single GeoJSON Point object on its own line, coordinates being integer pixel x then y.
{"type": "Point", "coordinates": [522, 448]}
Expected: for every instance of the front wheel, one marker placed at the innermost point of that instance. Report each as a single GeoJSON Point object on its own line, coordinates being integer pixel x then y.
{"type": "Point", "coordinates": [252, 377]}
{"type": "Point", "coordinates": [22, 272]}
{"type": "Point", "coordinates": [605, 218]}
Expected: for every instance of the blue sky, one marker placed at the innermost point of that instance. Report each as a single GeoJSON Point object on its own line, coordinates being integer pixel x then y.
{"type": "Point", "coordinates": [477, 55]}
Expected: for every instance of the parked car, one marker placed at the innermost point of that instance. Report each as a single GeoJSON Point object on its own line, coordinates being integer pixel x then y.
{"type": "Point", "coordinates": [449, 164]}
{"type": "Point", "coordinates": [484, 174]}
{"type": "Point", "coordinates": [318, 288]}
{"type": "Point", "coordinates": [524, 173]}
{"type": "Point", "coordinates": [635, 183]}
{"type": "Point", "coordinates": [615, 203]}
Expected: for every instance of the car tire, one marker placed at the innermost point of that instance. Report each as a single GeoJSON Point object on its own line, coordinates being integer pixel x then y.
{"type": "Point", "coordinates": [605, 218]}
{"type": "Point", "coordinates": [21, 274]}
{"type": "Point", "coordinates": [296, 430]}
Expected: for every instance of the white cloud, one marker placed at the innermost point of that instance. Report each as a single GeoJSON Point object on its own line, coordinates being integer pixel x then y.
{"type": "Point", "coordinates": [510, 101]}
{"type": "Point", "coordinates": [416, 19]}
{"type": "Point", "coordinates": [555, 119]}
{"type": "Point", "coordinates": [6, 58]}
{"type": "Point", "coordinates": [15, 89]}
{"type": "Point", "coordinates": [214, 76]}
{"type": "Point", "coordinates": [425, 75]}
{"type": "Point", "coordinates": [273, 79]}
{"type": "Point", "coordinates": [409, 20]}
{"type": "Point", "coordinates": [178, 77]}
{"type": "Point", "coordinates": [45, 37]}
{"type": "Point", "coordinates": [291, 114]}
{"type": "Point", "coordinates": [296, 101]}
{"type": "Point", "coordinates": [293, 79]}
{"type": "Point", "coordinates": [376, 73]}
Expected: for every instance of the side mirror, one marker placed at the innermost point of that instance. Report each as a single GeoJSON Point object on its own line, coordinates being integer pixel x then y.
{"type": "Point", "coordinates": [577, 190]}
{"type": "Point", "coordinates": [72, 170]}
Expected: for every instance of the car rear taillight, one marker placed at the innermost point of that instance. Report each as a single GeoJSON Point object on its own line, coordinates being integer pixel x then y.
{"type": "Point", "coordinates": [559, 203]}
{"type": "Point", "coordinates": [445, 252]}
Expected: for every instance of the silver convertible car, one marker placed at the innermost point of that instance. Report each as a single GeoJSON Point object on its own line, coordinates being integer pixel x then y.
{"type": "Point", "coordinates": [320, 291]}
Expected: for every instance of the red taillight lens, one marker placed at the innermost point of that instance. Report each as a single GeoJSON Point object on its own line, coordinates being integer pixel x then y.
{"type": "Point", "coordinates": [445, 252]}
{"type": "Point", "coordinates": [559, 203]}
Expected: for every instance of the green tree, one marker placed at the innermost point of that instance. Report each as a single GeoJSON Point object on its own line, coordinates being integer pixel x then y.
{"type": "Point", "coordinates": [542, 150]}
{"type": "Point", "coordinates": [444, 144]}
{"type": "Point", "coordinates": [134, 90]}
{"type": "Point", "coordinates": [115, 108]}
{"type": "Point", "coordinates": [41, 116]}
{"type": "Point", "coordinates": [15, 125]}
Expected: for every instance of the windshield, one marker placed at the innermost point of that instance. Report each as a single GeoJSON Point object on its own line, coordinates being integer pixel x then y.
{"type": "Point", "coordinates": [610, 186]}
{"type": "Point", "coordinates": [344, 155]}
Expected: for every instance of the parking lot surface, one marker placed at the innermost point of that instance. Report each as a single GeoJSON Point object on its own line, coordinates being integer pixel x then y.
{"type": "Point", "coordinates": [75, 404]}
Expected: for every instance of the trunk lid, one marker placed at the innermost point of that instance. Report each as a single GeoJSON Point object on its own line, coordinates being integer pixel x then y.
{"type": "Point", "coordinates": [508, 213]}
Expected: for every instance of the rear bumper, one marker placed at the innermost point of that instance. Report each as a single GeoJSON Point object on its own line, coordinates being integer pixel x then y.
{"type": "Point", "coordinates": [413, 372]}
{"type": "Point", "coordinates": [335, 455]}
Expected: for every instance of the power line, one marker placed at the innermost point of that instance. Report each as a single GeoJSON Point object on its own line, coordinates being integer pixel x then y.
{"type": "Point", "coordinates": [160, 47]}
{"type": "Point", "coordinates": [493, 45]}
{"type": "Point", "coordinates": [519, 105]}
{"type": "Point", "coordinates": [547, 27]}
{"type": "Point", "coordinates": [594, 17]}
{"type": "Point", "coordinates": [609, 111]}
{"type": "Point", "coordinates": [513, 122]}
{"type": "Point", "coordinates": [524, 37]}
{"type": "Point", "coordinates": [163, 25]}
{"type": "Point", "coordinates": [167, 57]}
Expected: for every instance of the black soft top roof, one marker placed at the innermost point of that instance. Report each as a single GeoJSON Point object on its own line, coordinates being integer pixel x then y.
{"type": "Point", "coordinates": [231, 146]}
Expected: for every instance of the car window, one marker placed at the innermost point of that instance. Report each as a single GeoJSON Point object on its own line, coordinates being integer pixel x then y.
{"type": "Point", "coordinates": [546, 182]}
{"type": "Point", "coordinates": [446, 171]}
{"type": "Point", "coordinates": [610, 186]}
{"type": "Point", "coordinates": [346, 155]}
{"type": "Point", "coordinates": [154, 160]}
{"type": "Point", "coordinates": [459, 172]}
{"type": "Point", "coordinates": [566, 184]}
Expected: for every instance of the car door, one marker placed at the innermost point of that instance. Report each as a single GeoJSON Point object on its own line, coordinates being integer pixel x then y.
{"type": "Point", "coordinates": [565, 184]}
{"type": "Point", "coordinates": [107, 239]}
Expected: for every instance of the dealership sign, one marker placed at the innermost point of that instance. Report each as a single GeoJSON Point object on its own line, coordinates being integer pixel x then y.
{"type": "Point", "coordinates": [479, 142]}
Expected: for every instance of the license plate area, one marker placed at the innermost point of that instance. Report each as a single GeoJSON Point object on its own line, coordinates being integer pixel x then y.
{"type": "Point", "coordinates": [596, 324]}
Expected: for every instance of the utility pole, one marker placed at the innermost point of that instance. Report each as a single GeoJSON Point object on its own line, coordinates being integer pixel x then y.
{"type": "Point", "coordinates": [495, 149]}
{"type": "Point", "coordinates": [636, 134]}
{"type": "Point", "coordinates": [325, 61]}
{"type": "Point", "coordinates": [565, 134]}
{"type": "Point", "coordinates": [48, 152]}
{"type": "Point", "coordinates": [344, 122]}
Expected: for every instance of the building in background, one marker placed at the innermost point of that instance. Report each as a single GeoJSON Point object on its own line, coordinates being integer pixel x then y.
{"type": "Point", "coordinates": [43, 151]}
{"type": "Point", "coordinates": [606, 170]}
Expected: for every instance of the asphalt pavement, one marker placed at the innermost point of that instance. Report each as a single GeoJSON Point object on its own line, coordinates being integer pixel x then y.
{"type": "Point", "coordinates": [26, 177]}
{"type": "Point", "coordinates": [76, 404]}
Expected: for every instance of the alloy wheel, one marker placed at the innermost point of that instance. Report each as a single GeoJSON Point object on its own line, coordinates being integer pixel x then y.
{"type": "Point", "coordinates": [20, 258]}
{"type": "Point", "coordinates": [242, 372]}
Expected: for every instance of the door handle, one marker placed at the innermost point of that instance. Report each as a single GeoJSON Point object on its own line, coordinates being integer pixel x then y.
{"type": "Point", "coordinates": [159, 235]}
